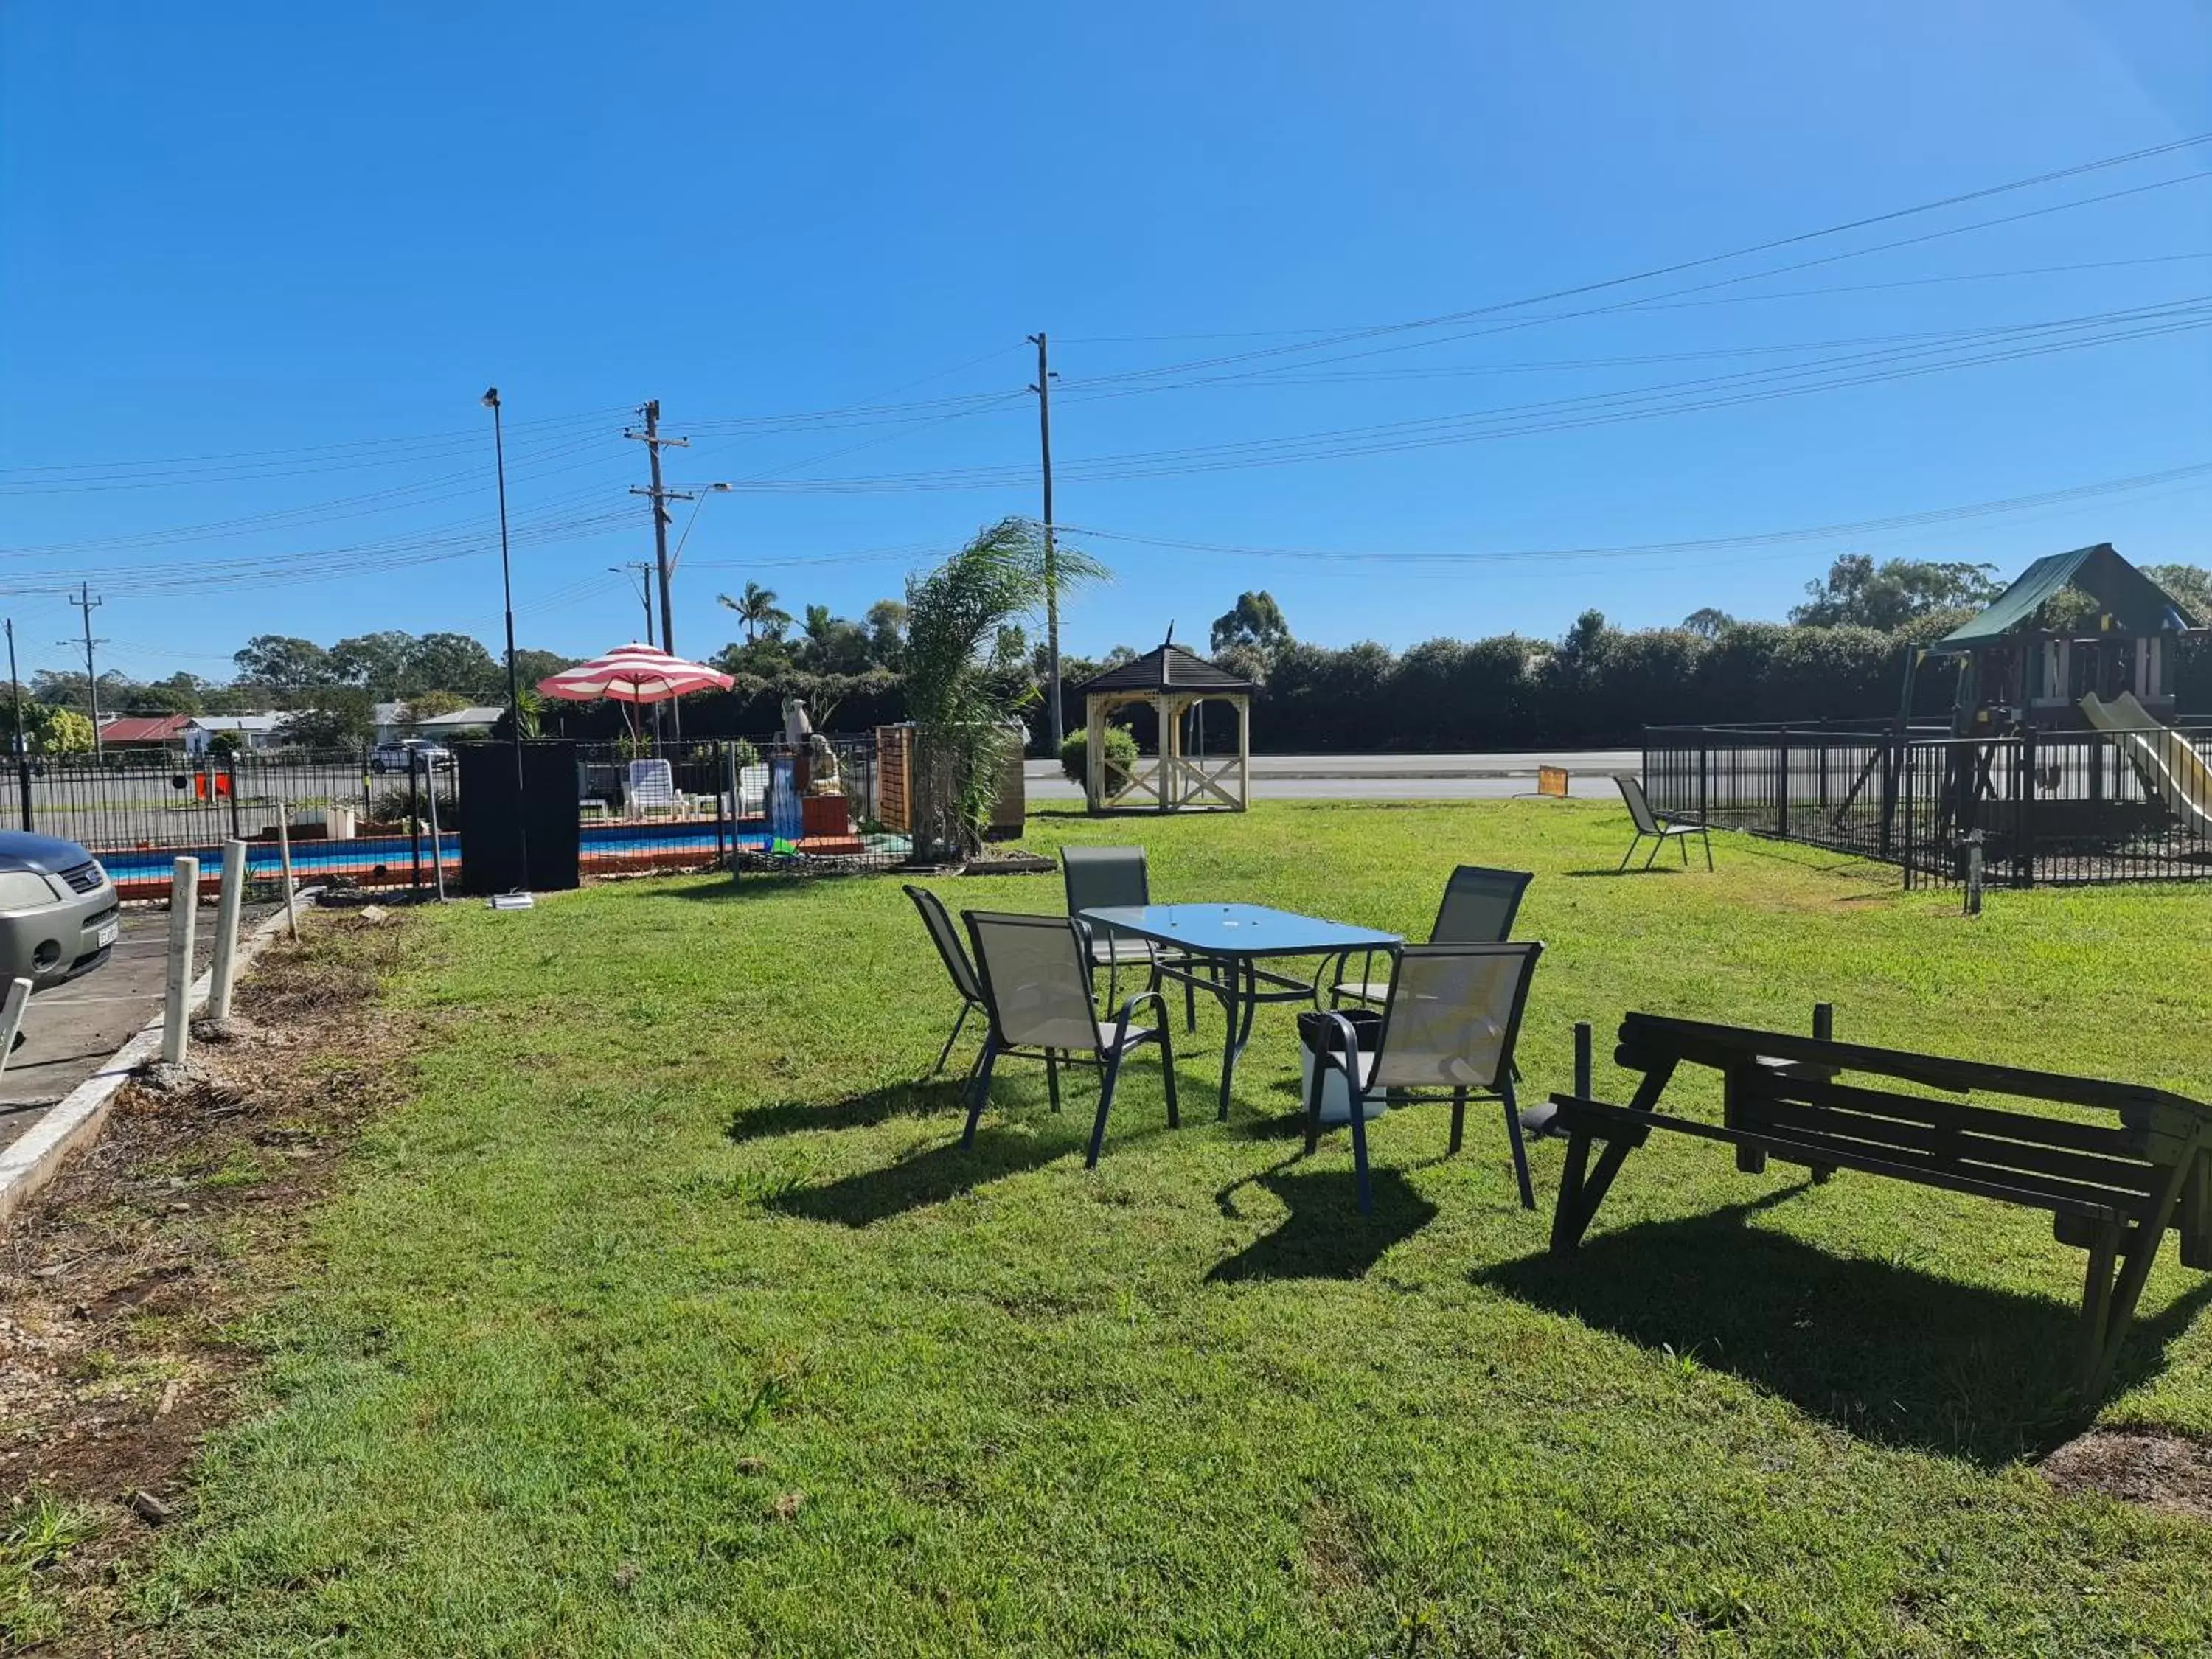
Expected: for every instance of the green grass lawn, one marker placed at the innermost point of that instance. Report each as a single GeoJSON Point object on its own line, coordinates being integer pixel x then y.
{"type": "Point", "coordinates": [670, 1319]}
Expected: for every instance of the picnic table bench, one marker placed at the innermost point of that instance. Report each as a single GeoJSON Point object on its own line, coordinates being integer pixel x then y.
{"type": "Point", "coordinates": [2112, 1188]}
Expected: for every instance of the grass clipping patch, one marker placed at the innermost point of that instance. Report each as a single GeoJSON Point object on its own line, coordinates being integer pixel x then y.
{"type": "Point", "coordinates": [122, 1285]}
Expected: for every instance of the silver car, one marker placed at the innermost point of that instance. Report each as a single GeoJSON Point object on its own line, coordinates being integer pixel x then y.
{"type": "Point", "coordinates": [58, 914]}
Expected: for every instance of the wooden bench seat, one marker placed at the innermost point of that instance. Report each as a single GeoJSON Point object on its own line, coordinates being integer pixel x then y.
{"type": "Point", "coordinates": [2113, 1188]}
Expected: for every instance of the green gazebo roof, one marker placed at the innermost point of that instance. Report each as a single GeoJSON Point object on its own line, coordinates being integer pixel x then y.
{"type": "Point", "coordinates": [2132, 600]}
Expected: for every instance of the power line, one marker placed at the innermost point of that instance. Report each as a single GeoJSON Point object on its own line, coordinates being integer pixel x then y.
{"type": "Point", "coordinates": [1771, 245]}
{"type": "Point", "coordinates": [2194, 472]}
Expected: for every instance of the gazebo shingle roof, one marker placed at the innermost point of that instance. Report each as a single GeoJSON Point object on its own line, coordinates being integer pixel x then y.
{"type": "Point", "coordinates": [1165, 668]}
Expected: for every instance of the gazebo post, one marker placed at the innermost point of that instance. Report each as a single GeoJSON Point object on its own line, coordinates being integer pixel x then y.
{"type": "Point", "coordinates": [1164, 705]}
{"type": "Point", "coordinates": [1243, 751]}
{"type": "Point", "coordinates": [1094, 750]}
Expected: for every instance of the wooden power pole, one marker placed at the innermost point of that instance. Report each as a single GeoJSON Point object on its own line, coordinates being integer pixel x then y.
{"type": "Point", "coordinates": [1043, 390]}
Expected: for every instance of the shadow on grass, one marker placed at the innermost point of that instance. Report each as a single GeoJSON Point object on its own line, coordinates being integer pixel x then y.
{"type": "Point", "coordinates": [1324, 1236]}
{"type": "Point", "coordinates": [1639, 870]}
{"type": "Point", "coordinates": [1880, 1348]}
{"type": "Point", "coordinates": [719, 889]}
{"type": "Point", "coordinates": [784, 1118]}
{"type": "Point", "coordinates": [928, 1178]}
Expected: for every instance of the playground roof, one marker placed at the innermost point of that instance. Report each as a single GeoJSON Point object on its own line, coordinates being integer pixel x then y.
{"type": "Point", "coordinates": [2130, 600]}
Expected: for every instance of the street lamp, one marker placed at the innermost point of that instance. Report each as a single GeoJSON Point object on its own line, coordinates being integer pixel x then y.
{"type": "Point", "coordinates": [514, 684]}
{"type": "Point", "coordinates": [698, 504]}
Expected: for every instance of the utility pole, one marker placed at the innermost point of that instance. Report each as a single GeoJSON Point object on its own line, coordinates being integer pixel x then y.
{"type": "Point", "coordinates": [15, 688]}
{"type": "Point", "coordinates": [643, 568]}
{"type": "Point", "coordinates": [654, 443]}
{"type": "Point", "coordinates": [1043, 390]}
{"type": "Point", "coordinates": [85, 603]}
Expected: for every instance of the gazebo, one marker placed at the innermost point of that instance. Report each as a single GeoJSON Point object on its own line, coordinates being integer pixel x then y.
{"type": "Point", "coordinates": [1173, 682]}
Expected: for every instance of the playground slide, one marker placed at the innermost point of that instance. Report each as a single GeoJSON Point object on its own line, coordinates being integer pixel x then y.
{"type": "Point", "coordinates": [2166, 761]}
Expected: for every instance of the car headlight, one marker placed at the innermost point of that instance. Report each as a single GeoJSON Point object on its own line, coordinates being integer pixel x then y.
{"type": "Point", "coordinates": [22, 889]}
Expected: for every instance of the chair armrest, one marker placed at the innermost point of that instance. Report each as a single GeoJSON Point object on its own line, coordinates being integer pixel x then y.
{"type": "Point", "coordinates": [1128, 1013]}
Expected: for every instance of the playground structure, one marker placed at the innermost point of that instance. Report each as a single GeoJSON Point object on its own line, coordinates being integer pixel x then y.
{"type": "Point", "coordinates": [2064, 759]}
{"type": "Point", "coordinates": [1174, 684]}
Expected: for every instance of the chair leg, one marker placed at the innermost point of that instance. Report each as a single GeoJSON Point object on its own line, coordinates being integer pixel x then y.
{"type": "Point", "coordinates": [1633, 844]}
{"type": "Point", "coordinates": [946, 1053]}
{"type": "Point", "coordinates": [981, 1092]}
{"type": "Point", "coordinates": [1706, 836]}
{"type": "Point", "coordinates": [1110, 1075]}
{"type": "Point", "coordinates": [1313, 1104]}
{"type": "Point", "coordinates": [1168, 1072]}
{"type": "Point", "coordinates": [1657, 843]}
{"type": "Point", "coordinates": [1189, 1006]}
{"type": "Point", "coordinates": [1052, 1078]}
{"type": "Point", "coordinates": [1359, 1146]}
{"type": "Point", "coordinates": [1459, 1122]}
{"type": "Point", "coordinates": [1685, 839]}
{"type": "Point", "coordinates": [1520, 1148]}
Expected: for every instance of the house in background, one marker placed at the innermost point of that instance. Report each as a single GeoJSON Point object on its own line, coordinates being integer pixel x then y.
{"type": "Point", "coordinates": [462, 725]}
{"type": "Point", "coordinates": [162, 732]}
{"type": "Point", "coordinates": [254, 732]}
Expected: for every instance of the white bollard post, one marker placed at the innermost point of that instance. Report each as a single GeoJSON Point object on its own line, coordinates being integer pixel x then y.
{"type": "Point", "coordinates": [11, 1018]}
{"type": "Point", "coordinates": [284, 863]}
{"type": "Point", "coordinates": [184, 925]}
{"type": "Point", "coordinates": [228, 904]}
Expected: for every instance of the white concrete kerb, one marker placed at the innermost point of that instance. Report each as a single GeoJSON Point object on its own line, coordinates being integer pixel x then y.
{"type": "Point", "coordinates": [77, 1119]}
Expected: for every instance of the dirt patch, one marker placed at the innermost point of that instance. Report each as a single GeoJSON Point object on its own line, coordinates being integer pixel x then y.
{"type": "Point", "coordinates": [2155, 1467]}
{"type": "Point", "coordinates": [122, 1284]}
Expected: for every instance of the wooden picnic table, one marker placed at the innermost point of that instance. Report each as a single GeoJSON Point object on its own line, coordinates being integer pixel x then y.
{"type": "Point", "coordinates": [2112, 1186]}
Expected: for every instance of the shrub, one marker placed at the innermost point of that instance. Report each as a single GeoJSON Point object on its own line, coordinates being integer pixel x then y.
{"type": "Point", "coordinates": [1121, 756]}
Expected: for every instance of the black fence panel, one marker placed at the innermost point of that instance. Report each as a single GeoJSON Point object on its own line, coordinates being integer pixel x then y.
{"type": "Point", "coordinates": [2043, 807]}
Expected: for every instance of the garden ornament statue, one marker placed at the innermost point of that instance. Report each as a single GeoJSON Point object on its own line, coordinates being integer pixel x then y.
{"type": "Point", "coordinates": [797, 727]}
{"type": "Point", "coordinates": [824, 778]}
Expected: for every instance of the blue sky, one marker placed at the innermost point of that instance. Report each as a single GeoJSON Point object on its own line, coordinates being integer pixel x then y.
{"type": "Point", "coordinates": [258, 262]}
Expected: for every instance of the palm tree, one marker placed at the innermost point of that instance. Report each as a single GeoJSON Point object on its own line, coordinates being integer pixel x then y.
{"type": "Point", "coordinates": [966, 672]}
{"type": "Point", "coordinates": [756, 607]}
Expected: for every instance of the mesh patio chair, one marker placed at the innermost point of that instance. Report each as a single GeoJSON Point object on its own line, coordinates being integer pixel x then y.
{"type": "Point", "coordinates": [1448, 1027]}
{"type": "Point", "coordinates": [1478, 908]}
{"type": "Point", "coordinates": [1097, 877]}
{"type": "Point", "coordinates": [946, 937]}
{"type": "Point", "coordinates": [1659, 826]}
{"type": "Point", "coordinates": [1037, 990]}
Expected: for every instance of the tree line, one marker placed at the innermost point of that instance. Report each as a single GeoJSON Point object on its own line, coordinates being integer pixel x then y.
{"type": "Point", "coordinates": [1840, 654]}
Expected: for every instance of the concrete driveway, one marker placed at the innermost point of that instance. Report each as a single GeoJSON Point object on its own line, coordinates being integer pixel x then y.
{"type": "Point", "coordinates": [68, 1031]}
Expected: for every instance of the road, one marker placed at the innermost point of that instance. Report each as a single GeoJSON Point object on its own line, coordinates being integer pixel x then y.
{"type": "Point", "coordinates": [1396, 777]}
{"type": "Point", "coordinates": [70, 1029]}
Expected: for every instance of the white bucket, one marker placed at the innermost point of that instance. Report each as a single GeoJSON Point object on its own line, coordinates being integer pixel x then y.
{"type": "Point", "coordinates": [1335, 1097]}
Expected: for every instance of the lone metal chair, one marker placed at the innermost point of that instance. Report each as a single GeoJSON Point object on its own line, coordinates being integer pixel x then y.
{"type": "Point", "coordinates": [1659, 826]}
{"type": "Point", "coordinates": [1479, 907]}
{"type": "Point", "coordinates": [946, 937]}
{"type": "Point", "coordinates": [1448, 1027]}
{"type": "Point", "coordinates": [1099, 877]}
{"type": "Point", "coordinates": [1037, 982]}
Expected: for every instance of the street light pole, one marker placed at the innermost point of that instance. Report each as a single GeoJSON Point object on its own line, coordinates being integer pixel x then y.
{"type": "Point", "coordinates": [514, 684]}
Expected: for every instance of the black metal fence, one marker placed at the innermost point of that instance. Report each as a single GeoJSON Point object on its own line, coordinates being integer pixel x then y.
{"type": "Point", "coordinates": [2039, 808]}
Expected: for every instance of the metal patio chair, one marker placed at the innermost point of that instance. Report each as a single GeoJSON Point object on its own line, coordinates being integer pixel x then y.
{"type": "Point", "coordinates": [1449, 1026]}
{"type": "Point", "coordinates": [961, 972]}
{"type": "Point", "coordinates": [1036, 984]}
{"type": "Point", "coordinates": [1659, 826]}
{"type": "Point", "coordinates": [1097, 877]}
{"type": "Point", "coordinates": [1479, 907]}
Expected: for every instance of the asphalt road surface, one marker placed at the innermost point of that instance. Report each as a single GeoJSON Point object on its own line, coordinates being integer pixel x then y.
{"type": "Point", "coordinates": [1397, 777]}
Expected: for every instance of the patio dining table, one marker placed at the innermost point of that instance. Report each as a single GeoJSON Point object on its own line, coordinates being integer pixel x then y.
{"type": "Point", "coordinates": [1218, 948]}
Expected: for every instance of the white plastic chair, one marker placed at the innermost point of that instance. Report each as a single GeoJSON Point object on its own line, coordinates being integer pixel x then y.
{"type": "Point", "coordinates": [652, 787]}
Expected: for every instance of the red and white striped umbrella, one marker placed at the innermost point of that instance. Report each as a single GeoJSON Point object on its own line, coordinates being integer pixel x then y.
{"type": "Point", "coordinates": [632, 673]}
